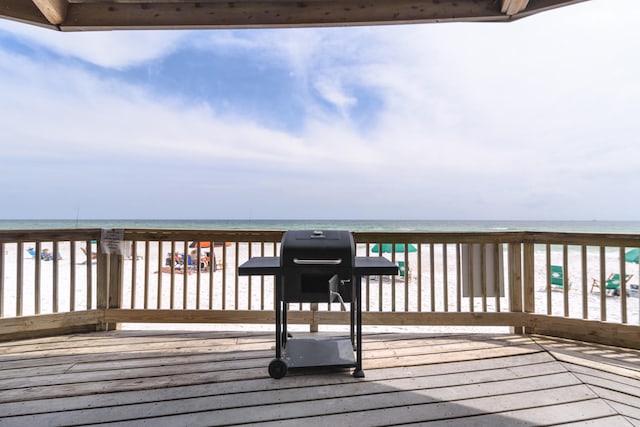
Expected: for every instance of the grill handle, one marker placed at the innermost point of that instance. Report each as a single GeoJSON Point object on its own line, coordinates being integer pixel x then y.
{"type": "Point", "coordinates": [317, 261]}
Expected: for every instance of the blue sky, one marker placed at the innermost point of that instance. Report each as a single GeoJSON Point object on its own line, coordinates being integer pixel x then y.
{"type": "Point", "coordinates": [535, 119]}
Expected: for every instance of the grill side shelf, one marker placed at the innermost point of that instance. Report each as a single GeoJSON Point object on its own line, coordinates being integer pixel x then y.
{"type": "Point", "coordinates": [268, 265]}
{"type": "Point", "coordinates": [374, 265]}
{"type": "Point", "coordinates": [364, 266]}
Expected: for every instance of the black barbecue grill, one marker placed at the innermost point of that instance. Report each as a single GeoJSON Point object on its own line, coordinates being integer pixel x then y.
{"type": "Point", "coordinates": [317, 266]}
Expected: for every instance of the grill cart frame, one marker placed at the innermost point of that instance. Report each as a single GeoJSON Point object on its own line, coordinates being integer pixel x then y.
{"type": "Point", "coordinates": [317, 352]}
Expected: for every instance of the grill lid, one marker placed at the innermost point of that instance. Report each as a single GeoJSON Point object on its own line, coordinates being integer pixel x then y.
{"type": "Point", "coordinates": [317, 248]}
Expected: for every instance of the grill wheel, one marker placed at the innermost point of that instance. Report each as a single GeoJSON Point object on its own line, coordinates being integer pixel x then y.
{"type": "Point", "coordinates": [277, 369]}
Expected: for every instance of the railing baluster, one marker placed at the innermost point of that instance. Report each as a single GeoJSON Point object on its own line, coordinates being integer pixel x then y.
{"type": "Point", "coordinates": [393, 278]}
{"type": "Point", "coordinates": [89, 290]}
{"type": "Point", "coordinates": [432, 278]}
{"type": "Point", "coordinates": [72, 275]}
{"type": "Point", "coordinates": [583, 282]}
{"type": "Point", "coordinates": [419, 277]}
{"type": "Point", "coordinates": [497, 275]}
{"type": "Point", "coordinates": [529, 279]}
{"type": "Point", "coordinates": [37, 279]}
{"type": "Point", "coordinates": [623, 286]}
{"type": "Point", "coordinates": [458, 279]}
{"type": "Point", "coordinates": [224, 275]}
{"type": "Point", "coordinates": [198, 265]}
{"type": "Point", "coordinates": [548, 269]}
{"type": "Point", "coordinates": [565, 279]}
{"type": "Point", "coordinates": [236, 282]}
{"type": "Point", "coordinates": [380, 279]}
{"type": "Point", "coordinates": [483, 275]}
{"type": "Point", "coordinates": [212, 269]}
{"type": "Point", "coordinates": [445, 278]}
{"type": "Point", "coordinates": [185, 274]}
{"type": "Point", "coordinates": [405, 257]}
{"type": "Point", "coordinates": [2, 296]}
{"type": "Point", "coordinates": [470, 269]}
{"type": "Point", "coordinates": [134, 272]}
{"type": "Point", "coordinates": [262, 286]}
{"type": "Point", "coordinates": [159, 283]}
{"type": "Point", "coordinates": [603, 284]}
{"type": "Point", "coordinates": [19, 278]}
{"type": "Point", "coordinates": [55, 276]}
{"type": "Point", "coordinates": [368, 282]}
{"type": "Point", "coordinates": [250, 278]}
{"type": "Point", "coordinates": [147, 271]}
{"type": "Point", "coordinates": [172, 286]}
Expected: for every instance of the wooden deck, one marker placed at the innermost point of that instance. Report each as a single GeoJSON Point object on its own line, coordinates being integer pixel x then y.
{"type": "Point", "coordinates": [220, 378]}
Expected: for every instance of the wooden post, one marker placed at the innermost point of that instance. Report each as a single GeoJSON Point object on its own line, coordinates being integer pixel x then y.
{"type": "Point", "coordinates": [102, 285]}
{"type": "Point", "coordinates": [515, 283]}
{"type": "Point", "coordinates": [116, 280]}
{"type": "Point", "coordinates": [110, 279]}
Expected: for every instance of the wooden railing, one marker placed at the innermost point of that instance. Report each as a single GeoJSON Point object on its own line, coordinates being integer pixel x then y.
{"type": "Point", "coordinates": [69, 284]}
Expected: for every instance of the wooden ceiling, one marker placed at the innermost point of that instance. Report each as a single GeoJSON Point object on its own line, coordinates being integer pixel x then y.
{"type": "Point", "coordinates": [81, 15]}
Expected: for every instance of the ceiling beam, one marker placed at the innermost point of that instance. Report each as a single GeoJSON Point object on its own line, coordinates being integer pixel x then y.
{"type": "Point", "coordinates": [513, 7]}
{"type": "Point", "coordinates": [54, 10]}
{"type": "Point", "coordinates": [281, 13]}
{"type": "Point", "coordinates": [79, 15]}
{"type": "Point", "coordinates": [22, 11]}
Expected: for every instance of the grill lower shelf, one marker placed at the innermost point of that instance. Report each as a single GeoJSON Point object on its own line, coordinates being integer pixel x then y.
{"type": "Point", "coordinates": [309, 352]}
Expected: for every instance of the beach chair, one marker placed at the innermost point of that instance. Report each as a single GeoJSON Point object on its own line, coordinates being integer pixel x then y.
{"type": "Point", "coordinates": [403, 271]}
{"type": "Point", "coordinates": [557, 277]}
{"type": "Point", "coordinates": [612, 284]}
{"type": "Point", "coordinates": [94, 256]}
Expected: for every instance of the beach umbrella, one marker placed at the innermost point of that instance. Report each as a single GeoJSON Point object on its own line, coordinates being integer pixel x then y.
{"type": "Point", "coordinates": [208, 244]}
{"type": "Point", "coordinates": [388, 248]}
{"type": "Point", "coordinates": [633, 256]}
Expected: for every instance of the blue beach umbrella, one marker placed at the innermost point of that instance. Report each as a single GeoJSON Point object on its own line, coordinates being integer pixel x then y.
{"type": "Point", "coordinates": [388, 248]}
{"type": "Point", "coordinates": [633, 256]}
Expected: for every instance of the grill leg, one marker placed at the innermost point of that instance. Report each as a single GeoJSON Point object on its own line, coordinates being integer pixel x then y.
{"type": "Point", "coordinates": [358, 373]}
{"type": "Point", "coordinates": [278, 304]}
{"type": "Point", "coordinates": [354, 301]}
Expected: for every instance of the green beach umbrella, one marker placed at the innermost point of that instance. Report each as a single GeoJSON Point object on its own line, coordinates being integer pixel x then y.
{"type": "Point", "coordinates": [633, 256]}
{"type": "Point", "coordinates": [388, 248]}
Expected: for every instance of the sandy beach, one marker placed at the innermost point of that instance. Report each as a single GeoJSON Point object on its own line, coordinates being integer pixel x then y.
{"type": "Point", "coordinates": [257, 293]}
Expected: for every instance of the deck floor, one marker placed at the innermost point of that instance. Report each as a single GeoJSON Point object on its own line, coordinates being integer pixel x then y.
{"type": "Point", "coordinates": [175, 378]}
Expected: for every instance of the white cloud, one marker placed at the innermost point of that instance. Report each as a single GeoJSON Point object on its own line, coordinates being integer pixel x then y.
{"type": "Point", "coordinates": [531, 119]}
{"type": "Point", "coordinates": [112, 49]}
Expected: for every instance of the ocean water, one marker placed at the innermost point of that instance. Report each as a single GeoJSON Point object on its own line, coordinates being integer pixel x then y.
{"type": "Point", "coordinates": [623, 227]}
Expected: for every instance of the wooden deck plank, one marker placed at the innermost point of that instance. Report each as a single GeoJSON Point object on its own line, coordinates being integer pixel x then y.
{"type": "Point", "coordinates": [246, 406]}
{"type": "Point", "coordinates": [630, 404]}
{"type": "Point", "coordinates": [588, 373]}
{"type": "Point", "coordinates": [217, 378]}
{"type": "Point", "coordinates": [614, 421]}
{"type": "Point", "coordinates": [185, 392]}
{"type": "Point", "coordinates": [319, 386]}
{"type": "Point", "coordinates": [590, 413]}
{"type": "Point", "coordinates": [435, 374]}
{"type": "Point", "coordinates": [588, 354]}
{"type": "Point", "coordinates": [242, 359]}
{"type": "Point", "coordinates": [367, 410]}
{"type": "Point", "coordinates": [628, 388]}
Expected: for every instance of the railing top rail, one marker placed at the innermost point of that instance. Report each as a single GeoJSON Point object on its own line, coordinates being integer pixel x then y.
{"type": "Point", "coordinates": [587, 239]}
{"type": "Point", "coordinates": [439, 237]}
{"type": "Point", "coordinates": [204, 235]}
{"type": "Point", "coordinates": [49, 235]}
{"type": "Point", "coordinates": [539, 237]}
